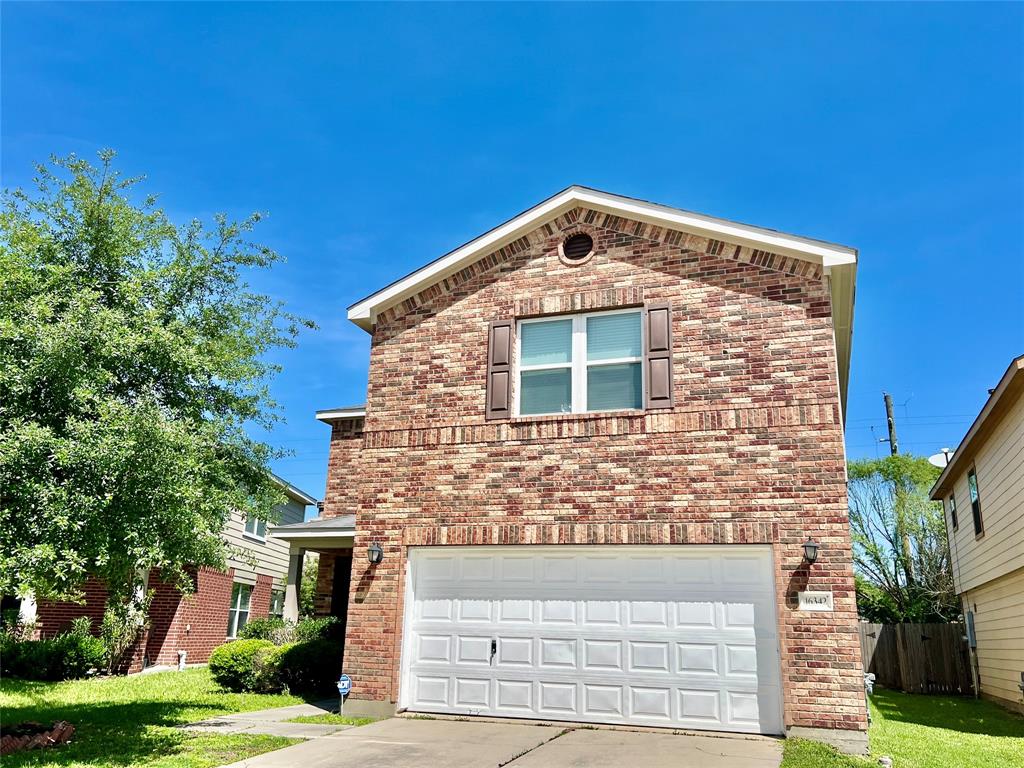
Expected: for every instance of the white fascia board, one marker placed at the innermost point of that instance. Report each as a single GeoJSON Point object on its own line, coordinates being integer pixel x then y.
{"type": "Point", "coordinates": [333, 414]}
{"type": "Point", "coordinates": [292, 491]}
{"type": "Point", "coordinates": [321, 533]}
{"type": "Point", "coordinates": [816, 251]}
{"type": "Point", "coordinates": [364, 312]}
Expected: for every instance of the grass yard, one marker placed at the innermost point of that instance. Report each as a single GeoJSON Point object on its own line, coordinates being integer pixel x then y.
{"type": "Point", "coordinates": [331, 718]}
{"type": "Point", "coordinates": [123, 721]}
{"type": "Point", "coordinates": [926, 732]}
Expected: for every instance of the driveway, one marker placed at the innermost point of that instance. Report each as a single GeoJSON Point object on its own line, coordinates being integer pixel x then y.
{"type": "Point", "coordinates": [413, 743]}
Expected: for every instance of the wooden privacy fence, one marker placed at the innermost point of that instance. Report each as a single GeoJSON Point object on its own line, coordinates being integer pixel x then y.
{"type": "Point", "coordinates": [917, 658]}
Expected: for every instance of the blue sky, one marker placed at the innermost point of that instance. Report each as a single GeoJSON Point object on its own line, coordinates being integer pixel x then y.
{"type": "Point", "coordinates": [381, 136]}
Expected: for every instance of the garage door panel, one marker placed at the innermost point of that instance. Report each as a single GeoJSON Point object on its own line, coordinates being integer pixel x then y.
{"type": "Point", "coordinates": [514, 696]}
{"type": "Point", "coordinates": [646, 614]}
{"type": "Point", "coordinates": [434, 649]}
{"type": "Point", "coordinates": [649, 657]}
{"type": "Point", "coordinates": [671, 636]}
{"type": "Point", "coordinates": [557, 653]}
{"type": "Point", "coordinates": [472, 692]}
{"type": "Point", "coordinates": [602, 700]}
{"type": "Point", "coordinates": [557, 698]}
{"type": "Point", "coordinates": [515, 651]}
{"type": "Point", "coordinates": [474, 650]}
{"type": "Point", "coordinates": [697, 658]}
{"type": "Point", "coordinates": [515, 612]}
{"type": "Point", "coordinates": [602, 655]}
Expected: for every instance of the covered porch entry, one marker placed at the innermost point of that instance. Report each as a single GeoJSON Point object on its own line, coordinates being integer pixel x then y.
{"type": "Point", "coordinates": [332, 539]}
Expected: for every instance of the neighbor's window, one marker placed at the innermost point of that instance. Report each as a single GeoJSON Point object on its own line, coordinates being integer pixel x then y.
{"type": "Point", "coordinates": [256, 528]}
{"type": "Point", "coordinates": [952, 509]}
{"type": "Point", "coordinates": [277, 603]}
{"type": "Point", "coordinates": [580, 363]}
{"type": "Point", "coordinates": [972, 487]}
{"type": "Point", "coordinates": [238, 613]}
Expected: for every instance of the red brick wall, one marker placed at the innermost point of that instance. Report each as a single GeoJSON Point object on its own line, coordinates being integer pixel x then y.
{"type": "Point", "coordinates": [54, 617]}
{"type": "Point", "coordinates": [751, 452]}
{"type": "Point", "coordinates": [196, 624]}
{"type": "Point", "coordinates": [322, 598]}
{"type": "Point", "coordinates": [259, 603]}
{"type": "Point", "coordinates": [342, 494]}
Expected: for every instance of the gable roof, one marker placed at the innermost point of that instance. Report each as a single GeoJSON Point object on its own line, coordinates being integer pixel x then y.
{"type": "Point", "coordinates": [839, 262]}
{"type": "Point", "coordinates": [1001, 399]}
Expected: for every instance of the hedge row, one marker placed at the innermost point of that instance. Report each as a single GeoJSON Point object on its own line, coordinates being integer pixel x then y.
{"type": "Point", "coordinates": [258, 665]}
{"type": "Point", "coordinates": [75, 653]}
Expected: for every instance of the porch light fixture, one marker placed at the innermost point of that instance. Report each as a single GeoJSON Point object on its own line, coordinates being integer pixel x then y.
{"type": "Point", "coordinates": [375, 553]}
{"type": "Point", "coordinates": [810, 550]}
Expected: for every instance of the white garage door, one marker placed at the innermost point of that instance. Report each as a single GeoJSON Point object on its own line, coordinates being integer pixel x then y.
{"type": "Point", "coordinates": [680, 636]}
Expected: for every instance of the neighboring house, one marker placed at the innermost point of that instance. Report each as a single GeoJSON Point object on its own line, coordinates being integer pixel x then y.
{"type": "Point", "coordinates": [982, 490]}
{"type": "Point", "coordinates": [223, 601]}
{"type": "Point", "coordinates": [595, 441]}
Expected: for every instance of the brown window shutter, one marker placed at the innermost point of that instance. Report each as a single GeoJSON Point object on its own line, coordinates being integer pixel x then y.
{"type": "Point", "coordinates": [499, 370]}
{"type": "Point", "coordinates": [658, 355]}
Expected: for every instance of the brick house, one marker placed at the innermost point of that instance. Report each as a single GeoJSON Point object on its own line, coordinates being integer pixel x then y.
{"type": "Point", "coordinates": [594, 443]}
{"type": "Point", "coordinates": [253, 586]}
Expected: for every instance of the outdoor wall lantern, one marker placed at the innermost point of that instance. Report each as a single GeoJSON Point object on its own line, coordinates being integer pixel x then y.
{"type": "Point", "coordinates": [375, 553]}
{"type": "Point", "coordinates": [810, 550]}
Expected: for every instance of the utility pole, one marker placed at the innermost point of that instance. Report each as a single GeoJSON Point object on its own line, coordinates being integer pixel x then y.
{"type": "Point", "coordinates": [894, 445]}
{"type": "Point", "coordinates": [901, 523]}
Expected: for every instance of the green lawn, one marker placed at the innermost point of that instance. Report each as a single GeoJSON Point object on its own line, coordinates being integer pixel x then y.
{"type": "Point", "coordinates": [331, 718]}
{"type": "Point", "coordinates": [123, 721]}
{"type": "Point", "coordinates": [926, 732]}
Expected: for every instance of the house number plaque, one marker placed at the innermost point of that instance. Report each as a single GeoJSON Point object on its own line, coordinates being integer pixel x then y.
{"type": "Point", "coordinates": [815, 601]}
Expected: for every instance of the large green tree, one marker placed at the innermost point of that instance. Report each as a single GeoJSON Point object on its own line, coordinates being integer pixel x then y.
{"type": "Point", "coordinates": [900, 550]}
{"type": "Point", "coordinates": [132, 362]}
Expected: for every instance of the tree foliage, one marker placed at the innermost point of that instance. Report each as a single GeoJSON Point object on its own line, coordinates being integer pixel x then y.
{"type": "Point", "coordinates": [132, 359]}
{"type": "Point", "coordinates": [899, 542]}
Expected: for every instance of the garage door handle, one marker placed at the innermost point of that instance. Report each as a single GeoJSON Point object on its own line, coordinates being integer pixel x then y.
{"type": "Point", "coordinates": [494, 649]}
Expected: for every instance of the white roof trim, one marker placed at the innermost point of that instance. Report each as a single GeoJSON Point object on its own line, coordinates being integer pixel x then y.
{"type": "Point", "coordinates": [333, 414]}
{"type": "Point", "coordinates": [363, 313]}
{"type": "Point", "coordinates": [292, 491]}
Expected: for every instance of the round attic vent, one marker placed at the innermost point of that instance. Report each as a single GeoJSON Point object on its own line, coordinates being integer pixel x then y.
{"type": "Point", "coordinates": [577, 248]}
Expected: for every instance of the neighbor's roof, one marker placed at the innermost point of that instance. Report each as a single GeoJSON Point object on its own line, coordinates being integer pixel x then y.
{"type": "Point", "coordinates": [291, 491]}
{"type": "Point", "coordinates": [838, 261]}
{"type": "Point", "coordinates": [1002, 399]}
{"type": "Point", "coordinates": [320, 531]}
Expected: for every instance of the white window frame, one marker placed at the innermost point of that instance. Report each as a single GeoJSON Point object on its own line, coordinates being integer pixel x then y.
{"type": "Point", "coordinates": [276, 594]}
{"type": "Point", "coordinates": [578, 364]}
{"type": "Point", "coordinates": [235, 608]}
{"type": "Point", "coordinates": [254, 534]}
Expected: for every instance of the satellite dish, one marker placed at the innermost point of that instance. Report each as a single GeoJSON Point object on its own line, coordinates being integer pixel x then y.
{"type": "Point", "coordinates": [941, 459]}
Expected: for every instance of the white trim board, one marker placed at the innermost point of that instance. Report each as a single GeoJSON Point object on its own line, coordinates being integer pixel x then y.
{"type": "Point", "coordinates": [363, 313]}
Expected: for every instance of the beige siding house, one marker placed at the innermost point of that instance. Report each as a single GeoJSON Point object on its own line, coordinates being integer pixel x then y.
{"type": "Point", "coordinates": [982, 490]}
{"type": "Point", "coordinates": [257, 554]}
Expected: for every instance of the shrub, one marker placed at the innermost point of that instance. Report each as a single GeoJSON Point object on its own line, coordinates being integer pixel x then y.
{"type": "Point", "coordinates": [278, 631]}
{"type": "Point", "coordinates": [309, 667]}
{"type": "Point", "coordinates": [72, 654]}
{"type": "Point", "coordinates": [122, 625]}
{"type": "Point", "coordinates": [239, 666]}
{"type": "Point", "coordinates": [322, 628]}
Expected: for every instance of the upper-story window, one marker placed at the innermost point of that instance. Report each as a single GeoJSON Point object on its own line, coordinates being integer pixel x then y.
{"type": "Point", "coordinates": [951, 505]}
{"type": "Point", "coordinates": [256, 528]}
{"type": "Point", "coordinates": [972, 488]}
{"type": "Point", "coordinates": [580, 363]}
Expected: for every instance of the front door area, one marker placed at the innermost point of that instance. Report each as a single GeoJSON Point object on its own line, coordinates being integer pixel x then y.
{"type": "Point", "coordinates": [676, 636]}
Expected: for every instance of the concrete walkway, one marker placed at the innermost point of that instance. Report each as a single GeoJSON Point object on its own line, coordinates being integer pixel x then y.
{"type": "Point", "coordinates": [413, 743]}
{"type": "Point", "coordinates": [272, 722]}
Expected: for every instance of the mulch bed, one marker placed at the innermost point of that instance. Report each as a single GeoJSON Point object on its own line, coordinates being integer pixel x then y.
{"type": "Point", "coordinates": [31, 735]}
